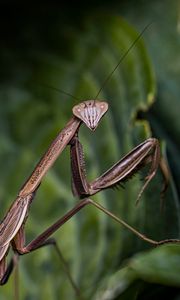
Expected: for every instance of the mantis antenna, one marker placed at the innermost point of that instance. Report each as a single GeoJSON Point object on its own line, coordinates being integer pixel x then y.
{"type": "Point", "coordinates": [60, 91]}
{"type": "Point", "coordinates": [111, 73]}
{"type": "Point", "coordinates": [121, 59]}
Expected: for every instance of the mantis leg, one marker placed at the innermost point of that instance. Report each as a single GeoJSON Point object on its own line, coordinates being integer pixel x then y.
{"type": "Point", "coordinates": [42, 240]}
{"type": "Point", "coordinates": [6, 271]}
{"type": "Point", "coordinates": [146, 153]}
{"type": "Point", "coordinates": [43, 237]}
{"type": "Point", "coordinates": [19, 247]}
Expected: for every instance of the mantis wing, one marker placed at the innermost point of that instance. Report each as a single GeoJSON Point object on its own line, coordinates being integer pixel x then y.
{"type": "Point", "coordinates": [13, 221]}
{"type": "Point", "coordinates": [3, 251]}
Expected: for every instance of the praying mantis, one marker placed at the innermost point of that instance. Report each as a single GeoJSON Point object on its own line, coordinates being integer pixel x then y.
{"type": "Point", "coordinates": [88, 112]}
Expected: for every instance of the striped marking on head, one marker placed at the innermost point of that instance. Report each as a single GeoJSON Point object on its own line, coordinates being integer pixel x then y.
{"type": "Point", "coordinates": [90, 112]}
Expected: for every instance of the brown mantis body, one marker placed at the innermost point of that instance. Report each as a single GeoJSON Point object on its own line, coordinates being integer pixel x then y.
{"type": "Point", "coordinates": [89, 112]}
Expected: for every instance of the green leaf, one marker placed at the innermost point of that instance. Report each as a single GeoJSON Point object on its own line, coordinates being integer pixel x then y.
{"type": "Point", "coordinates": [159, 266]}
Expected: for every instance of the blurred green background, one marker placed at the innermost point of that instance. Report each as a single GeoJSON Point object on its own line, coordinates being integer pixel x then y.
{"type": "Point", "coordinates": [74, 47]}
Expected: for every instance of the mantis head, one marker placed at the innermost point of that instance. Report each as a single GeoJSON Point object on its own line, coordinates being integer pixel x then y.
{"type": "Point", "coordinates": [90, 112]}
